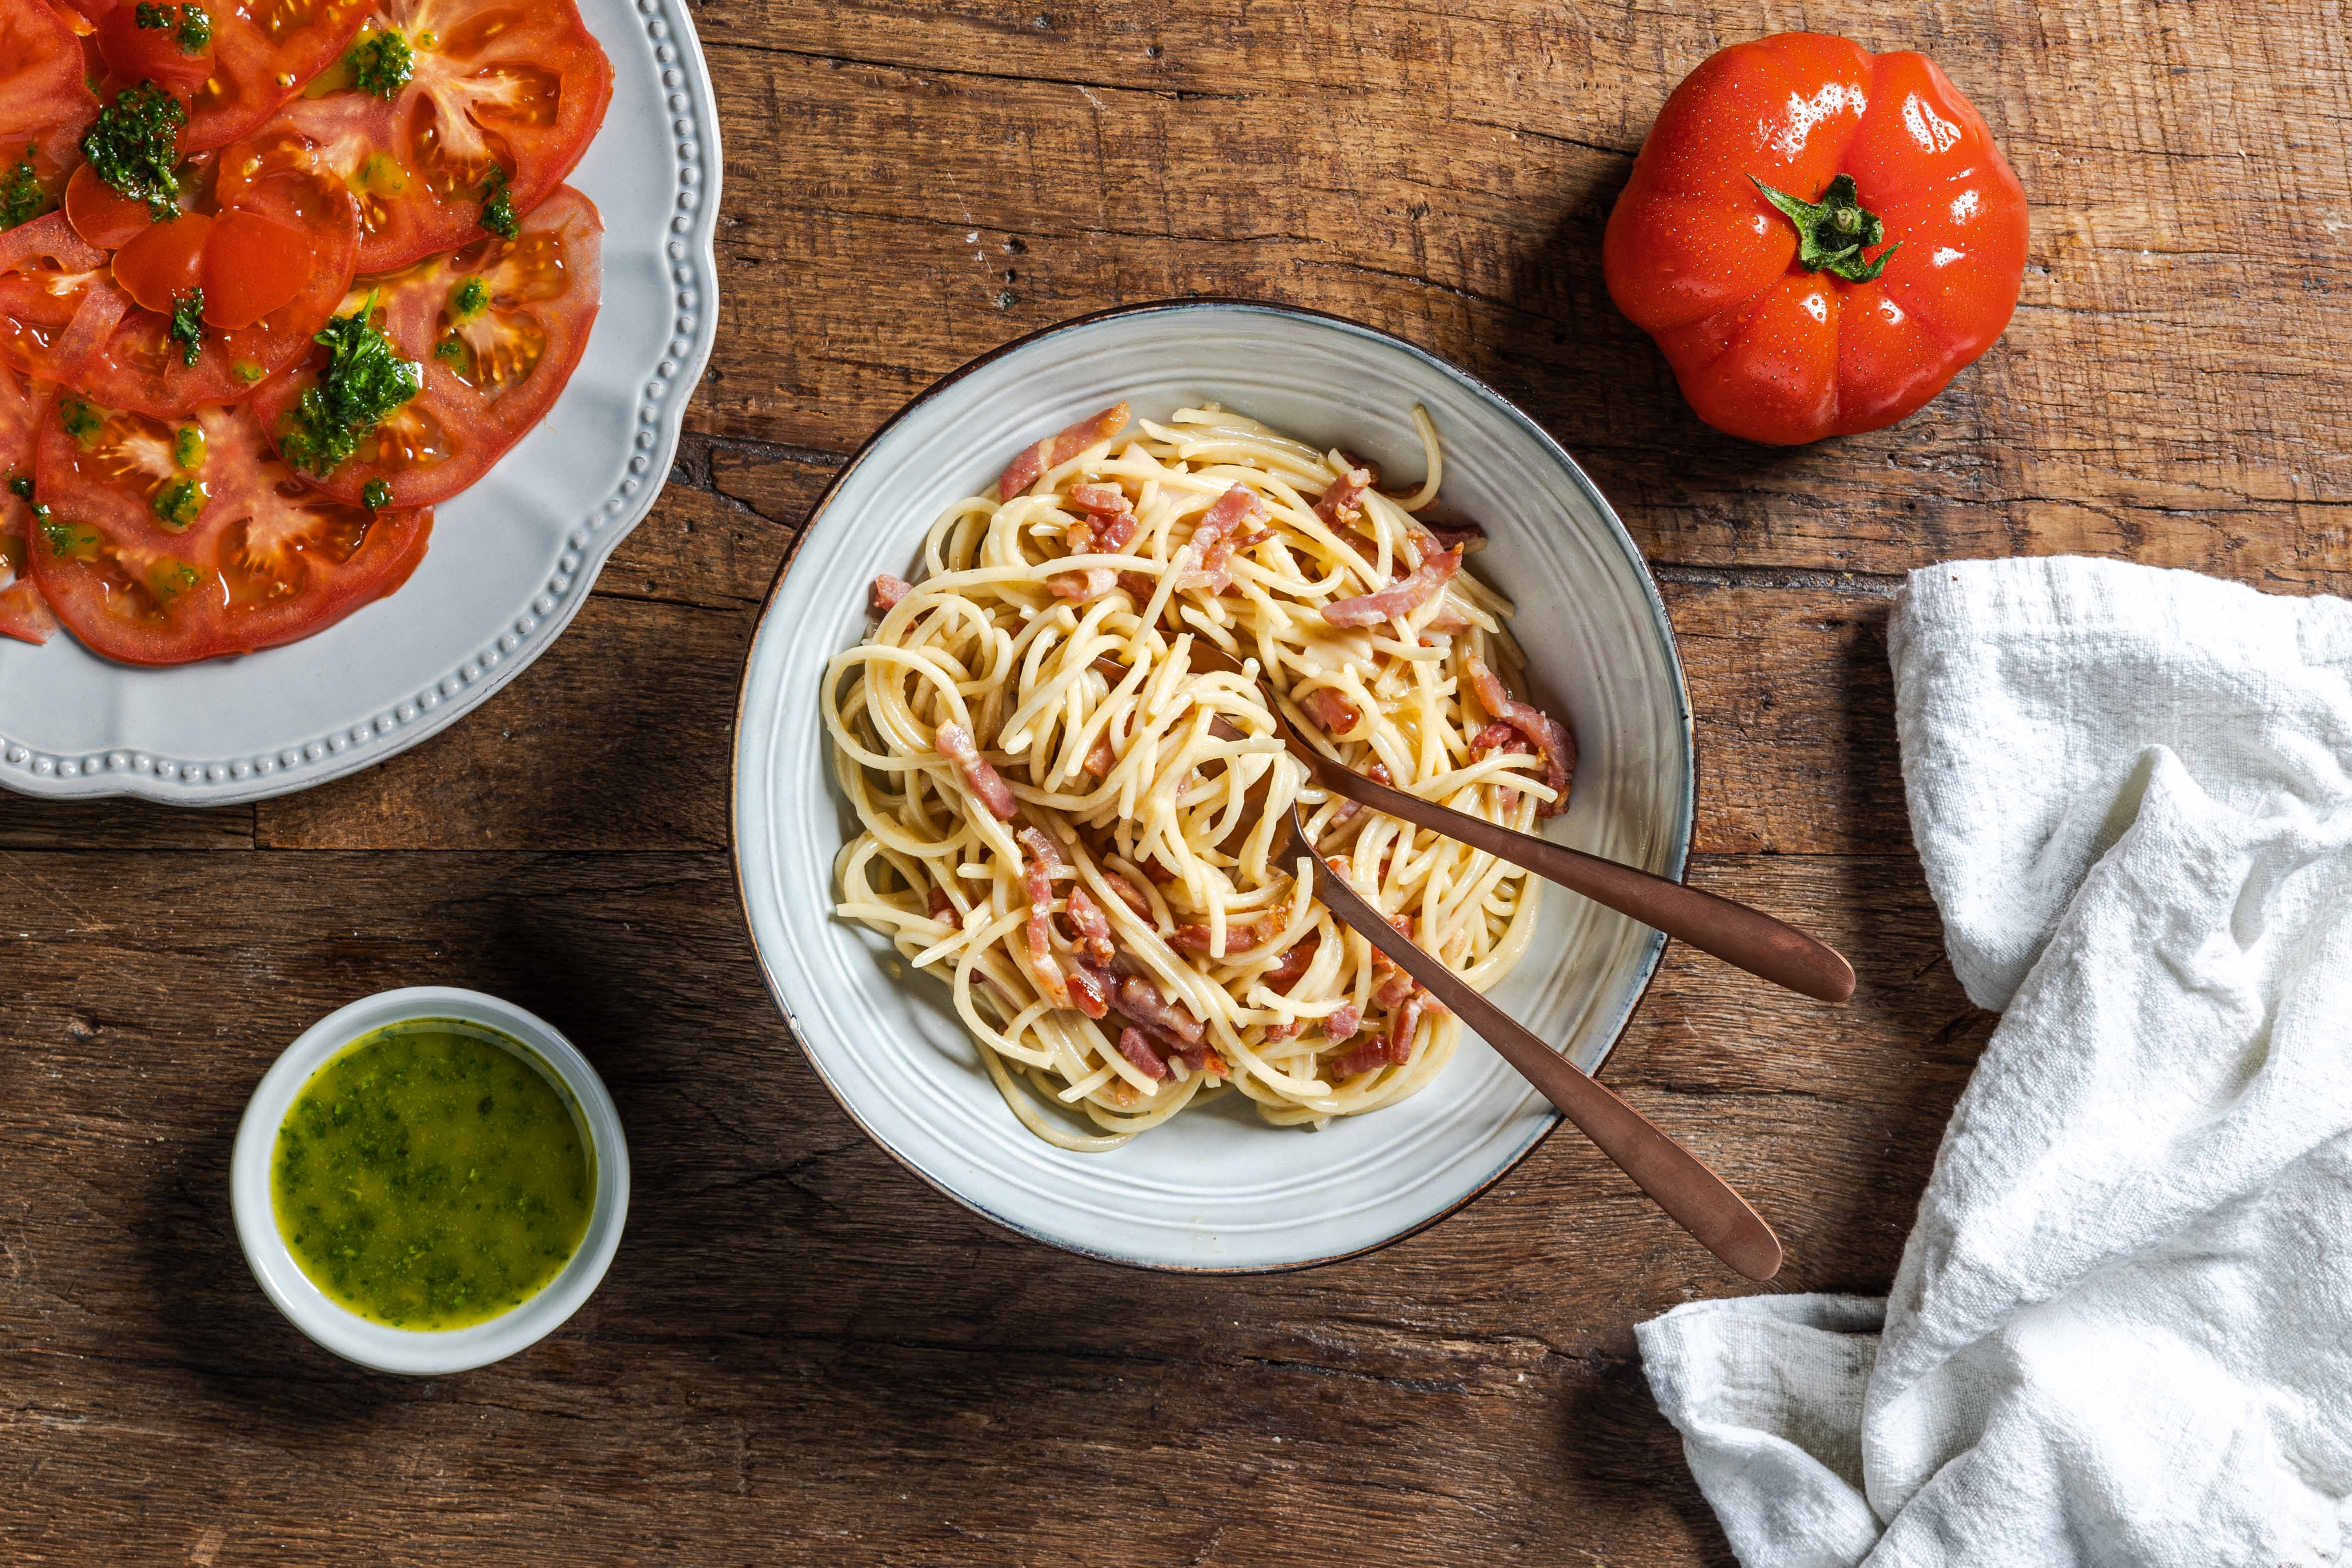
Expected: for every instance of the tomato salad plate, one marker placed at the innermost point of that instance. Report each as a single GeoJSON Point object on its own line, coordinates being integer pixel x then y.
{"type": "Point", "coordinates": [341, 341]}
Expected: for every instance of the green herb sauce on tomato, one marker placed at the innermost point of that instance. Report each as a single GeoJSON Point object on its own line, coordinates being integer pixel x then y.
{"type": "Point", "coordinates": [430, 1178]}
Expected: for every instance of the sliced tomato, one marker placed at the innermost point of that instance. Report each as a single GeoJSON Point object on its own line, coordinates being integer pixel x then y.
{"type": "Point", "coordinates": [263, 51]}
{"type": "Point", "coordinates": [51, 282]}
{"type": "Point", "coordinates": [152, 561]}
{"type": "Point", "coordinates": [134, 52]}
{"type": "Point", "coordinates": [491, 372]}
{"type": "Point", "coordinates": [287, 245]}
{"type": "Point", "coordinates": [163, 261]}
{"type": "Point", "coordinates": [501, 92]}
{"type": "Point", "coordinates": [45, 102]}
{"type": "Point", "coordinates": [102, 214]}
{"type": "Point", "coordinates": [24, 613]}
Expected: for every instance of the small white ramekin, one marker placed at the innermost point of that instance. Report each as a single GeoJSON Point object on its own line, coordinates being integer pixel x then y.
{"type": "Point", "coordinates": [418, 1351]}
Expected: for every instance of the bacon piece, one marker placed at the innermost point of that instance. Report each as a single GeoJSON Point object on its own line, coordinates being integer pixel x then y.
{"type": "Point", "coordinates": [1105, 499]}
{"type": "Point", "coordinates": [1057, 450]}
{"type": "Point", "coordinates": [1092, 925]}
{"type": "Point", "coordinates": [940, 906]}
{"type": "Point", "coordinates": [1393, 990]}
{"type": "Point", "coordinates": [1129, 894]}
{"type": "Point", "coordinates": [1448, 621]}
{"type": "Point", "coordinates": [1196, 938]}
{"type": "Point", "coordinates": [1135, 1048]}
{"type": "Point", "coordinates": [1100, 758]}
{"type": "Point", "coordinates": [1464, 536]}
{"type": "Point", "coordinates": [1258, 538]}
{"type": "Point", "coordinates": [1549, 736]}
{"type": "Point", "coordinates": [1114, 534]}
{"type": "Point", "coordinates": [954, 742]}
{"type": "Point", "coordinates": [1333, 714]}
{"type": "Point", "coordinates": [1295, 963]}
{"type": "Point", "coordinates": [1400, 597]}
{"type": "Point", "coordinates": [1140, 999]}
{"type": "Point", "coordinates": [1212, 548]}
{"type": "Point", "coordinates": [1373, 1052]}
{"type": "Point", "coordinates": [887, 591]}
{"type": "Point", "coordinates": [1158, 873]}
{"type": "Point", "coordinates": [1282, 1031]}
{"type": "Point", "coordinates": [1401, 1027]}
{"type": "Point", "coordinates": [1345, 1020]}
{"type": "Point", "coordinates": [1051, 981]}
{"type": "Point", "coordinates": [1048, 853]}
{"type": "Point", "coordinates": [1086, 993]}
{"type": "Point", "coordinates": [1349, 809]}
{"type": "Point", "coordinates": [1344, 501]}
{"type": "Point", "coordinates": [1086, 585]}
{"type": "Point", "coordinates": [1494, 737]}
{"type": "Point", "coordinates": [1141, 584]}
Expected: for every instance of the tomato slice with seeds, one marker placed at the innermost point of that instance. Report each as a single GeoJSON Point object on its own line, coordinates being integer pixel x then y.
{"type": "Point", "coordinates": [279, 257]}
{"type": "Point", "coordinates": [499, 91]}
{"type": "Point", "coordinates": [45, 102]}
{"type": "Point", "coordinates": [152, 559]}
{"type": "Point", "coordinates": [24, 613]}
{"type": "Point", "coordinates": [102, 214]}
{"type": "Point", "coordinates": [498, 327]}
{"type": "Point", "coordinates": [132, 53]}
{"type": "Point", "coordinates": [263, 51]}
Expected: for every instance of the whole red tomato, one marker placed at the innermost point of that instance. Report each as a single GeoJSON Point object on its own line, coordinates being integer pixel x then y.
{"type": "Point", "coordinates": [1817, 237]}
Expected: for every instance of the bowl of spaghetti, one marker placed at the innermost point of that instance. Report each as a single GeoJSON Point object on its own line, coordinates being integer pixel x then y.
{"type": "Point", "coordinates": [1006, 837]}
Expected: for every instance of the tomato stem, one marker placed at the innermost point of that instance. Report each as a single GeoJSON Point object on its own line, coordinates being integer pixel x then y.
{"type": "Point", "coordinates": [1833, 232]}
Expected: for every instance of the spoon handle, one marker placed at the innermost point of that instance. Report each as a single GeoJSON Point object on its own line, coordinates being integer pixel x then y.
{"type": "Point", "coordinates": [1678, 1181]}
{"type": "Point", "coordinates": [1745, 938]}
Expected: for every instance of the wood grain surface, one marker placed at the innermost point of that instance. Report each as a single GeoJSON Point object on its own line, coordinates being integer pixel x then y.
{"type": "Point", "coordinates": [802, 1355]}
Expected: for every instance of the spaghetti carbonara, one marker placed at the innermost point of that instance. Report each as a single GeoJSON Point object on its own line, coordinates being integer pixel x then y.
{"type": "Point", "coordinates": [1056, 802]}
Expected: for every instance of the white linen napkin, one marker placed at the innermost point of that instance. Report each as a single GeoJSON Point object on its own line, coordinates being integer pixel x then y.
{"type": "Point", "coordinates": [2122, 1329]}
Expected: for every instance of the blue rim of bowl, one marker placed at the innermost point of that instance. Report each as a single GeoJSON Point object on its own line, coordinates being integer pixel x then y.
{"type": "Point", "coordinates": [1678, 858]}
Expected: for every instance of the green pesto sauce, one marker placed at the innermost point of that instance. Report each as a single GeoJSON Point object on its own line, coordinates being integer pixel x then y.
{"type": "Point", "coordinates": [429, 1177]}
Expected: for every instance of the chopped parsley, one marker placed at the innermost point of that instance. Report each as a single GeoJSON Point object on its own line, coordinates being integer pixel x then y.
{"type": "Point", "coordinates": [469, 299]}
{"type": "Point", "coordinates": [21, 486]}
{"type": "Point", "coordinates": [380, 62]}
{"type": "Point", "coordinates": [179, 504]}
{"type": "Point", "coordinates": [66, 539]}
{"type": "Point", "coordinates": [80, 420]}
{"type": "Point", "coordinates": [450, 351]}
{"type": "Point", "coordinates": [169, 578]}
{"type": "Point", "coordinates": [188, 324]}
{"type": "Point", "coordinates": [375, 496]}
{"type": "Point", "coordinates": [188, 22]}
{"type": "Point", "coordinates": [365, 382]}
{"type": "Point", "coordinates": [498, 206]}
{"type": "Point", "coordinates": [246, 371]}
{"type": "Point", "coordinates": [188, 447]}
{"type": "Point", "coordinates": [134, 146]}
{"type": "Point", "coordinates": [21, 197]}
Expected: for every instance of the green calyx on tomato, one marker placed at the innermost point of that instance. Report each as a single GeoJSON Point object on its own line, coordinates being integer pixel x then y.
{"type": "Point", "coordinates": [188, 324]}
{"type": "Point", "coordinates": [363, 381]}
{"type": "Point", "coordinates": [1833, 232]}
{"type": "Point", "coordinates": [134, 146]}
{"type": "Point", "coordinates": [21, 197]}
{"type": "Point", "coordinates": [190, 24]}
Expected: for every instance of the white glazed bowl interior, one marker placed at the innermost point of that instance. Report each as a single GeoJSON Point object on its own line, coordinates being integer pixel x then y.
{"type": "Point", "coordinates": [410, 1351]}
{"type": "Point", "coordinates": [1215, 1188]}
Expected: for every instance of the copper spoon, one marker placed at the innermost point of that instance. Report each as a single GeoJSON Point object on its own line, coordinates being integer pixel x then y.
{"type": "Point", "coordinates": [1678, 1181]}
{"type": "Point", "coordinates": [1745, 938]}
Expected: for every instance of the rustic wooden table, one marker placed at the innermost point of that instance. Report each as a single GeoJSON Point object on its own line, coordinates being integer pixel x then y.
{"type": "Point", "coordinates": [802, 1355]}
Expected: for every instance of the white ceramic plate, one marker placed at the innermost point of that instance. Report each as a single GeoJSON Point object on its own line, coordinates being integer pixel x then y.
{"type": "Point", "coordinates": [1216, 1189]}
{"type": "Point", "coordinates": [511, 558]}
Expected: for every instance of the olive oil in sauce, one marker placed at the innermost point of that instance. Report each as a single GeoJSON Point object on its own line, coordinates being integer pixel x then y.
{"type": "Point", "coordinates": [428, 1176]}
